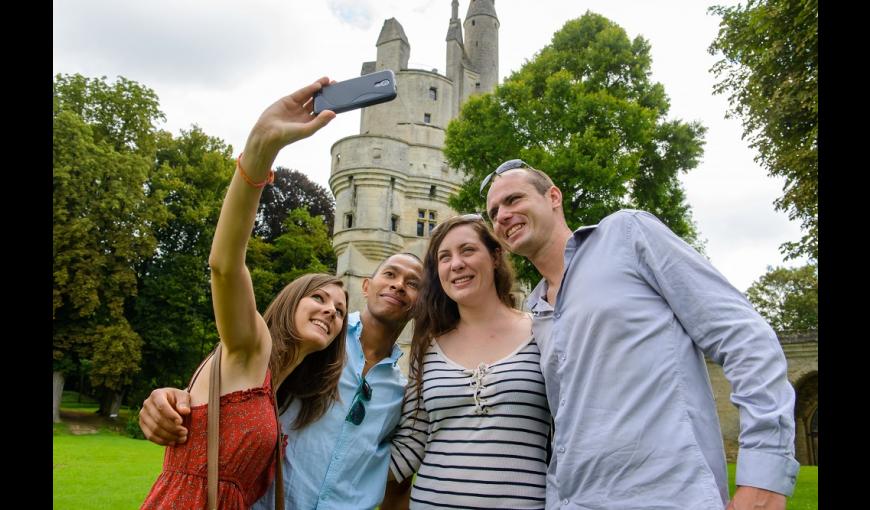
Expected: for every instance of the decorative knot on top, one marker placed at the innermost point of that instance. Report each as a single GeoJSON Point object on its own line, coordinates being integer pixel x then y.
{"type": "Point", "coordinates": [477, 383]}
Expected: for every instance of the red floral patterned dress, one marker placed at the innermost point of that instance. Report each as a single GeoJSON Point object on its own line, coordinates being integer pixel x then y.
{"type": "Point", "coordinates": [248, 433]}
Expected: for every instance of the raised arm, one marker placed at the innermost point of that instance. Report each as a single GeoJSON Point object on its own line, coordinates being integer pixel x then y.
{"type": "Point", "coordinates": [240, 326]}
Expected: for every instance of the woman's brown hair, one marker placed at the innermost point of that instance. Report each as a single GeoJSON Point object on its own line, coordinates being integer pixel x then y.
{"type": "Point", "coordinates": [435, 313]}
{"type": "Point", "coordinates": [315, 381]}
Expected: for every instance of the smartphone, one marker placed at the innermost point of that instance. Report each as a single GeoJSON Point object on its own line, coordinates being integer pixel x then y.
{"type": "Point", "coordinates": [342, 96]}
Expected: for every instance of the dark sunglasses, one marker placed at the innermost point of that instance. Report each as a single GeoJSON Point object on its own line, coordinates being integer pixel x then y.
{"type": "Point", "coordinates": [357, 409]}
{"type": "Point", "coordinates": [463, 217]}
{"type": "Point", "coordinates": [510, 164]}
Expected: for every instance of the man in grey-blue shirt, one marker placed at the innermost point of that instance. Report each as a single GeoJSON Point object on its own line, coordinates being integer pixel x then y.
{"type": "Point", "coordinates": [624, 315]}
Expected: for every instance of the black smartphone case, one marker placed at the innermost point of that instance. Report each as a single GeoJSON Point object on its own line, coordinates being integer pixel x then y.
{"type": "Point", "coordinates": [371, 89]}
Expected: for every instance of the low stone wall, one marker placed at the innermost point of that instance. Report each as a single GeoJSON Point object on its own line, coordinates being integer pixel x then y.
{"type": "Point", "coordinates": [802, 354]}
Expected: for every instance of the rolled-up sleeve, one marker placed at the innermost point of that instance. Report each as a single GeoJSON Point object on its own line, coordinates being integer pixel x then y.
{"type": "Point", "coordinates": [725, 326]}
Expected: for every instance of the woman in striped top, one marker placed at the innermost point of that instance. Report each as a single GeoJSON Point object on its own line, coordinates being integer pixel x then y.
{"type": "Point", "coordinates": [478, 437]}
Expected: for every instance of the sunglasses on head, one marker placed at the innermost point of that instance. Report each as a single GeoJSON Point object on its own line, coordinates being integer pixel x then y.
{"type": "Point", "coordinates": [510, 164]}
{"type": "Point", "coordinates": [463, 217]}
{"type": "Point", "coordinates": [357, 409]}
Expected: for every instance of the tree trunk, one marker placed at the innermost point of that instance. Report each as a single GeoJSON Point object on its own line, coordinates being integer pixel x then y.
{"type": "Point", "coordinates": [105, 400]}
{"type": "Point", "coordinates": [116, 404]}
{"type": "Point", "coordinates": [57, 393]}
{"type": "Point", "coordinates": [81, 385]}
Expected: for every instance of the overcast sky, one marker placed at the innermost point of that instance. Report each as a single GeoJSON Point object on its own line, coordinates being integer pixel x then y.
{"type": "Point", "coordinates": [219, 63]}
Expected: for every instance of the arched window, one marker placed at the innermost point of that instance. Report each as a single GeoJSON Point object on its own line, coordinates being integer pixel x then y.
{"type": "Point", "coordinates": [813, 437]}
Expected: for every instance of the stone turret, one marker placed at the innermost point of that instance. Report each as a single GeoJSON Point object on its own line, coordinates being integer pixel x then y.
{"type": "Point", "coordinates": [393, 47]}
{"type": "Point", "coordinates": [457, 60]}
{"type": "Point", "coordinates": [391, 182]}
{"type": "Point", "coordinates": [481, 42]}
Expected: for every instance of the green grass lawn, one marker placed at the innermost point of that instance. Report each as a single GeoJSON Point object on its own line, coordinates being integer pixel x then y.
{"type": "Point", "coordinates": [107, 470]}
{"type": "Point", "coordinates": [102, 470]}
{"type": "Point", "coordinates": [806, 492]}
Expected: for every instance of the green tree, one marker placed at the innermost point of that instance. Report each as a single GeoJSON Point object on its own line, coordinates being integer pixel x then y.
{"type": "Point", "coordinates": [770, 72]}
{"type": "Point", "coordinates": [173, 311]}
{"type": "Point", "coordinates": [292, 189]}
{"type": "Point", "coordinates": [304, 247]}
{"type": "Point", "coordinates": [122, 113]}
{"type": "Point", "coordinates": [788, 297]}
{"type": "Point", "coordinates": [103, 220]}
{"type": "Point", "coordinates": [584, 110]}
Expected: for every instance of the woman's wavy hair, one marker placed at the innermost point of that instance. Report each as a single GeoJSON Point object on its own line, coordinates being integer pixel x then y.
{"type": "Point", "coordinates": [435, 313]}
{"type": "Point", "coordinates": [315, 381]}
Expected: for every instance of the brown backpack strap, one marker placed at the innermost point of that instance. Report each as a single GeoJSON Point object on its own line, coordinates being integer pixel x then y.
{"type": "Point", "coordinates": [279, 463]}
{"type": "Point", "coordinates": [214, 408]}
{"type": "Point", "coordinates": [214, 403]}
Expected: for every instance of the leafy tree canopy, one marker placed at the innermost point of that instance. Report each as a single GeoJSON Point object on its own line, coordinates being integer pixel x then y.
{"type": "Point", "coordinates": [291, 190]}
{"type": "Point", "coordinates": [304, 247]}
{"type": "Point", "coordinates": [585, 111]}
{"type": "Point", "coordinates": [788, 298]}
{"type": "Point", "coordinates": [103, 221]}
{"type": "Point", "coordinates": [123, 113]}
{"type": "Point", "coordinates": [173, 311]}
{"type": "Point", "coordinates": [769, 70]}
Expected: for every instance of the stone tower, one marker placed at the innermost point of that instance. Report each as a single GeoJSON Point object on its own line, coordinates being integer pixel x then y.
{"type": "Point", "coordinates": [481, 35]}
{"type": "Point", "coordinates": [391, 181]}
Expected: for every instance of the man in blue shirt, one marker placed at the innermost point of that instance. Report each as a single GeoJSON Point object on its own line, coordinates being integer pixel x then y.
{"type": "Point", "coordinates": [334, 463]}
{"type": "Point", "coordinates": [624, 315]}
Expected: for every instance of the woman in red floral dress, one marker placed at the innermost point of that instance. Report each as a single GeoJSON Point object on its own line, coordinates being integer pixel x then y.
{"type": "Point", "coordinates": [291, 346]}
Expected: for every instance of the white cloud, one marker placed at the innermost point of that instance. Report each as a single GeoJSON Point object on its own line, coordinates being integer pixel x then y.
{"type": "Point", "coordinates": [356, 13]}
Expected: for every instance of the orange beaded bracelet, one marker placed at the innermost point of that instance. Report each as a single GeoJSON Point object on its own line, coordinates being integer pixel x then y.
{"type": "Point", "coordinates": [269, 180]}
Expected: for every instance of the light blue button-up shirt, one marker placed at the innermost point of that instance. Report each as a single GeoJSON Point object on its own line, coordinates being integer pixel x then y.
{"type": "Point", "coordinates": [332, 463]}
{"type": "Point", "coordinates": [622, 355]}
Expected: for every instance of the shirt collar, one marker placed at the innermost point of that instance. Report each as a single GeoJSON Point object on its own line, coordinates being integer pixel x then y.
{"type": "Point", "coordinates": [536, 302]}
{"type": "Point", "coordinates": [354, 324]}
{"type": "Point", "coordinates": [354, 332]}
{"type": "Point", "coordinates": [582, 232]}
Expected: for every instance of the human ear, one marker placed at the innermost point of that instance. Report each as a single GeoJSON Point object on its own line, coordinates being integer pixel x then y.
{"type": "Point", "coordinates": [555, 196]}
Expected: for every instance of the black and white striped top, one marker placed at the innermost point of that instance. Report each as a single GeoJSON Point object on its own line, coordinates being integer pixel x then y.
{"type": "Point", "coordinates": [480, 439]}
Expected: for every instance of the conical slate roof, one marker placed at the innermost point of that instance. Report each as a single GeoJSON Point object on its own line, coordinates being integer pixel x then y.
{"type": "Point", "coordinates": [454, 31]}
{"type": "Point", "coordinates": [478, 7]}
{"type": "Point", "coordinates": [391, 31]}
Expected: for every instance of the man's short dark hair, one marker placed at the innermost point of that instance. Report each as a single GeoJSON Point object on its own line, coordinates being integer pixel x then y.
{"type": "Point", "coordinates": [537, 178]}
{"type": "Point", "coordinates": [406, 253]}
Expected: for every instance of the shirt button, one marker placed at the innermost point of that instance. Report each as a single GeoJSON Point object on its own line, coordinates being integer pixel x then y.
{"type": "Point", "coordinates": [557, 314]}
{"type": "Point", "coordinates": [561, 449]}
{"type": "Point", "coordinates": [562, 402]}
{"type": "Point", "coordinates": [565, 502]}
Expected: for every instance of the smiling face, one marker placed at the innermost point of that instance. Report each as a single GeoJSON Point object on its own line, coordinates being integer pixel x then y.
{"type": "Point", "coordinates": [465, 265]}
{"type": "Point", "coordinates": [320, 316]}
{"type": "Point", "coordinates": [522, 218]}
{"type": "Point", "coordinates": [392, 291]}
